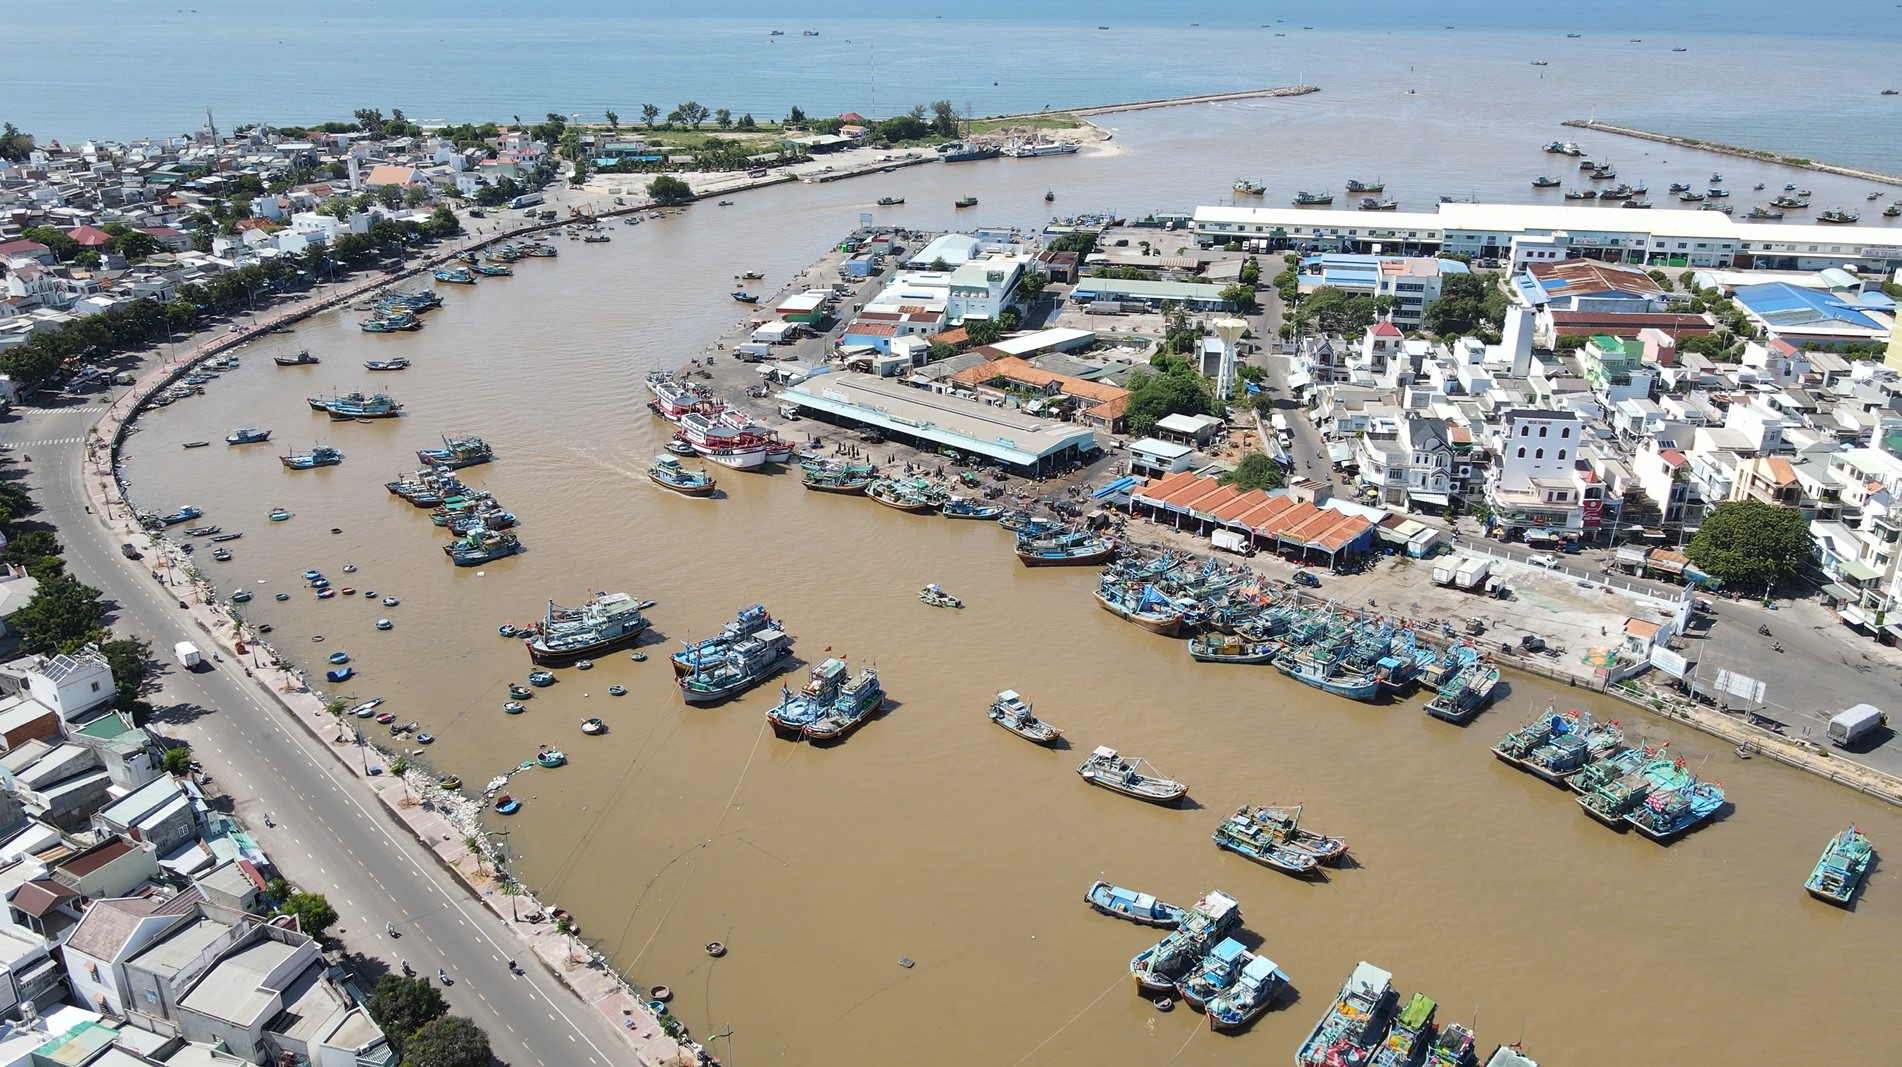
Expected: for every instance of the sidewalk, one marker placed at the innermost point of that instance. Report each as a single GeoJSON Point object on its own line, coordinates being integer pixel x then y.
{"type": "Point", "coordinates": [441, 819]}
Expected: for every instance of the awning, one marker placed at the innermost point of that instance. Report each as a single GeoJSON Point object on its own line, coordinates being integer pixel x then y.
{"type": "Point", "coordinates": [1431, 498]}
{"type": "Point", "coordinates": [1853, 615]}
{"type": "Point", "coordinates": [1837, 592]}
{"type": "Point", "coordinates": [1860, 571]}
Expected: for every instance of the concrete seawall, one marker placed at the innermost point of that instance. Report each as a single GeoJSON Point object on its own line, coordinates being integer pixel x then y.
{"type": "Point", "coordinates": [1758, 154]}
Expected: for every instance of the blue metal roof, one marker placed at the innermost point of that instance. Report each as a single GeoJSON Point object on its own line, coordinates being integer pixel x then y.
{"type": "Point", "coordinates": [1786, 306]}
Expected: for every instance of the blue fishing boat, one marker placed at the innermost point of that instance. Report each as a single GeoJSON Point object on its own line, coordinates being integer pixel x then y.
{"type": "Point", "coordinates": [710, 650]}
{"type": "Point", "coordinates": [1214, 973]}
{"type": "Point", "coordinates": [1448, 666]}
{"type": "Point", "coordinates": [1517, 745]}
{"type": "Point", "coordinates": [457, 276]}
{"type": "Point", "coordinates": [795, 711]}
{"type": "Point", "coordinates": [1466, 694]}
{"type": "Point", "coordinates": [1407, 1039]}
{"type": "Point", "coordinates": [486, 546]}
{"type": "Point", "coordinates": [1665, 815]}
{"type": "Point", "coordinates": [356, 406]}
{"type": "Point", "coordinates": [247, 435]}
{"type": "Point", "coordinates": [604, 622]}
{"type": "Point", "coordinates": [457, 452]}
{"type": "Point", "coordinates": [1254, 840]}
{"type": "Point", "coordinates": [1120, 903]}
{"type": "Point", "coordinates": [1573, 746]}
{"type": "Point", "coordinates": [858, 700]}
{"type": "Point", "coordinates": [493, 270]}
{"type": "Point", "coordinates": [1325, 668]}
{"type": "Point", "coordinates": [341, 674]}
{"type": "Point", "coordinates": [1612, 766]}
{"type": "Point", "coordinates": [1354, 1023]}
{"type": "Point", "coordinates": [1284, 821]}
{"type": "Point", "coordinates": [1143, 605]}
{"type": "Point", "coordinates": [184, 514]}
{"type": "Point", "coordinates": [1844, 861]}
{"type": "Point", "coordinates": [1083, 552]}
{"type": "Point", "coordinates": [667, 473]}
{"type": "Point", "coordinates": [1156, 968]}
{"type": "Point", "coordinates": [746, 663]}
{"type": "Point", "coordinates": [320, 456]}
{"type": "Point", "coordinates": [958, 507]}
{"type": "Point", "coordinates": [1254, 989]}
{"type": "Point", "coordinates": [1611, 802]}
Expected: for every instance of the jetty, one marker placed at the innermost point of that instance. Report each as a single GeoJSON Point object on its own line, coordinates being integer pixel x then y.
{"type": "Point", "coordinates": [1759, 155]}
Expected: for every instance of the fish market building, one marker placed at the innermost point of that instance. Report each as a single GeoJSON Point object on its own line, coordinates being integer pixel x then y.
{"type": "Point", "coordinates": [941, 422]}
{"type": "Point", "coordinates": [1659, 238]}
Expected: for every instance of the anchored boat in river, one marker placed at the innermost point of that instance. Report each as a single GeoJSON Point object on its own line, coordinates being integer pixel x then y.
{"type": "Point", "coordinates": [604, 622]}
{"type": "Point", "coordinates": [1354, 1023]}
{"type": "Point", "coordinates": [796, 711]}
{"type": "Point", "coordinates": [1120, 903]}
{"type": "Point", "coordinates": [1839, 871]}
{"type": "Point", "coordinates": [1013, 713]}
{"type": "Point", "coordinates": [1257, 982]}
{"type": "Point", "coordinates": [746, 663]}
{"type": "Point", "coordinates": [1214, 917]}
{"type": "Point", "coordinates": [1110, 771]}
{"type": "Point", "coordinates": [858, 700]}
{"type": "Point", "coordinates": [710, 650]}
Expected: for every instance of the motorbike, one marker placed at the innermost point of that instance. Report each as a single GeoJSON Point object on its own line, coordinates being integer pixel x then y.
{"type": "Point", "coordinates": [1764, 630]}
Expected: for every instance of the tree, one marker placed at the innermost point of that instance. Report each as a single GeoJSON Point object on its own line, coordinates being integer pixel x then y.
{"type": "Point", "coordinates": [722, 118]}
{"type": "Point", "coordinates": [649, 113]}
{"type": "Point", "coordinates": [795, 117]}
{"type": "Point", "coordinates": [1662, 279]}
{"type": "Point", "coordinates": [940, 350]}
{"type": "Point", "coordinates": [54, 239]}
{"type": "Point", "coordinates": [1749, 541]}
{"type": "Point", "coordinates": [451, 1041]}
{"type": "Point", "coordinates": [402, 1006]}
{"type": "Point", "coordinates": [1255, 471]}
{"type": "Point", "coordinates": [135, 244]}
{"type": "Point", "coordinates": [1033, 284]}
{"type": "Point", "coordinates": [668, 189]}
{"type": "Point", "coordinates": [1467, 302]}
{"type": "Point", "coordinates": [1178, 391]}
{"type": "Point", "coordinates": [984, 331]}
{"type": "Point", "coordinates": [614, 121]}
{"type": "Point", "coordinates": [131, 661]}
{"type": "Point", "coordinates": [176, 761]}
{"type": "Point", "coordinates": [63, 615]}
{"type": "Point", "coordinates": [944, 119]}
{"type": "Point", "coordinates": [746, 122]}
{"type": "Point", "coordinates": [1240, 297]}
{"type": "Point", "coordinates": [14, 145]}
{"type": "Point", "coordinates": [314, 913]}
{"type": "Point", "coordinates": [1077, 241]}
{"type": "Point", "coordinates": [693, 113]}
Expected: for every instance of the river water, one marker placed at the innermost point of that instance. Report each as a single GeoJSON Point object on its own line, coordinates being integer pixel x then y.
{"type": "Point", "coordinates": [930, 834]}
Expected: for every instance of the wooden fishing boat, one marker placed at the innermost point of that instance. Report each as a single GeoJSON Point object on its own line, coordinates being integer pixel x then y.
{"type": "Point", "coordinates": [1256, 841]}
{"type": "Point", "coordinates": [1142, 606]}
{"type": "Point", "coordinates": [1285, 822]}
{"type": "Point", "coordinates": [669, 474]}
{"type": "Point", "coordinates": [1353, 1024]}
{"type": "Point", "coordinates": [1256, 985]}
{"type": "Point", "coordinates": [1839, 872]}
{"type": "Point", "coordinates": [1013, 713]}
{"type": "Point", "coordinates": [1406, 1041]}
{"type": "Point", "coordinates": [1110, 771]}
{"type": "Point", "coordinates": [1156, 968]}
{"type": "Point", "coordinates": [1229, 648]}
{"type": "Point", "coordinates": [1119, 903]}
{"type": "Point", "coordinates": [1087, 552]}
{"type": "Point", "coordinates": [1214, 973]}
{"type": "Point", "coordinates": [914, 496]}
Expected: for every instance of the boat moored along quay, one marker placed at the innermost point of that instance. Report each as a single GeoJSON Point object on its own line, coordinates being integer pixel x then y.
{"type": "Point", "coordinates": [466, 450]}
{"type": "Point", "coordinates": [602, 623]}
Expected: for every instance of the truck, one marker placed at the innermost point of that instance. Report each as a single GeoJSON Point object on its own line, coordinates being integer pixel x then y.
{"type": "Point", "coordinates": [1229, 541]}
{"type": "Point", "coordinates": [1472, 573]}
{"type": "Point", "coordinates": [1445, 569]}
{"type": "Point", "coordinates": [1848, 727]}
{"type": "Point", "coordinates": [752, 351]}
{"type": "Point", "coordinates": [187, 655]}
{"type": "Point", "coordinates": [525, 200]}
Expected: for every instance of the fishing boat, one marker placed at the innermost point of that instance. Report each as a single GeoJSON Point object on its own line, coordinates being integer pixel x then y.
{"type": "Point", "coordinates": [318, 456]}
{"type": "Point", "coordinates": [1110, 771]}
{"type": "Point", "coordinates": [1142, 605]}
{"type": "Point", "coordinates": [836, 477]}
{"type": "Point", "coordinates": [1760, 212]}
{"type": "Point", "coordinates": [1087, 551]}
{"type": "Point", "coordinates": [1466, 693]}
{"type": "Point", "coordinates": [602, 623]}
{"type": "Point", "coordinates": [710, 650]}
{"type": "Point", "coordinates": [1214, 647]}
{"type": "Point", "coordinates": [795, 711]}
{"type": "Point", "coordinates": [475, 549]}
{"type": "Point", "coordinates": [1284, 821]}
{"type": "Point", "coordinates": [455, 276]}
{"type": "Point", "coordinates": [227, 536]}
{"type": "Point", "coordinates": [1840, 869]}
{"type": "Point", "coordinates": [1212, 918]}
{"type": "Point", "coordinates": [967, 201]}
{"type": "Point", "coordinates": [1013, 713]}
{"type": "Point", "coordinates": [1582, 194]}
{"type": "Point", "coordinates": [1357, 186]}
{"type": "Point", "coordinates": [1453, 1047]}
{"type": "Point", "coordinates": [1612, 766]}
{"type": "Point", "coordinates": [1545, 181]}
{"type": "Point", "coordinates": [1574, 744]}
{"type": "Point", "coordinates": [301, 359]}
{"type": "Point", "coordinates": [1666, 815]}
{"type": "Point", "coordinates": [958, 507]}
{"type": "Point", "coordinates": [1119, 903]}
{"type": "Point", "coordinates": [1257, 982]}
{"type": "Point", "coordinates": [746, 663]}
{"type": "Point", "coordinates": [915, 495]}
{"type": "Point", "coordinates": [184, 514]}
{"type": "Point", "coordinates": [1516, 745]}
{"type": "Point", "coordinates": [1246, 837]}
{"type": "Point", "coordinates": [1353, 1024]}
{"type": "Point", "coordinates": [1839, 216]}
{"type": "Point", "coordinates": [1611, 802]}
{"type": "Point", "coordinates": [667, 473]}
{"type": "Point", "coordinates": [858, 700]}
{"type": "Point", "coordinates": [719, 440]}
{"type": "Point", "coordinates": [202, 531]}
{"type": "Point", "coordinates": [221, 554]}
{"type": "Point", "coordinates": [935, 596]}
{"type": "Point", "coordinates": [744, 297]}
{"type": "Point", "coordinates": [493, 270]}
{"type": "Point", "coordinates": [356, 406]}
{"type": "Point", "coordinates": [1406, 1042]}
{"type": "Point", "coordinates": [457, 452]}
{"type": "Point", "coordinates": [1214, 973]}
{"type": "Point", "coordinates": [399, 363]}
{"type": "Point", "coordinates": [1307, 199]}
{"type": "Point", "coordinates": [1368, 203]}
{"type": "Point", "coordinates": [1788, 202]}
{"type": "Point", "coordinates": [1248, 187]}
{"type": "Point", "coordinates": [890, 201]}
{"type": "Point", "coordinates": [247, 435]}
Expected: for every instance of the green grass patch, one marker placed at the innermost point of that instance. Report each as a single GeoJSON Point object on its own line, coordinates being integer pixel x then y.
{"type": "Point", "coordinates": [1054, 120]}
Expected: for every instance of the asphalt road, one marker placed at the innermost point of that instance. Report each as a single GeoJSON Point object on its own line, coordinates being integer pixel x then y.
{"type": "Point", "coordinates": [330, 835]}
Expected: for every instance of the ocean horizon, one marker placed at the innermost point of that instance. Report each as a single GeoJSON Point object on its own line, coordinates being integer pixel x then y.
{"type": "Point", "coordinates": [121, 71]}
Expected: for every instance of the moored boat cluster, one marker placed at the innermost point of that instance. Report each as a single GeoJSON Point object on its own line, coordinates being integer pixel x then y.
{"type": "Point", "coordinates": [479, 522]}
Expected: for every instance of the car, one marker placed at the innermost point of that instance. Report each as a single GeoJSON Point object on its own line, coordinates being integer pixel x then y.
{"type": "Point", "coordinates": [129, 551]}
{"type": "Point", "coordinates": [1543, 559]}
{"type": "Point", "coordinates": [1307, 578]}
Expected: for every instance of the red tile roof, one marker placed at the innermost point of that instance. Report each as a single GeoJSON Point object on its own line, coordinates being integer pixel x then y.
{"type": "Point", "coordinates": [89, 236]}
{"type": "Point", "coordinates": [1383, 328]}
{"type": "Point", "coordinates": [1278, 515]}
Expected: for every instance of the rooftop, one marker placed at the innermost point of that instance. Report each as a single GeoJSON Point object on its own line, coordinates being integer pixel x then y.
{"type": "Point", "coordinates": [967, 425]}
{"type": "Point", "coordinates": [233, 989]}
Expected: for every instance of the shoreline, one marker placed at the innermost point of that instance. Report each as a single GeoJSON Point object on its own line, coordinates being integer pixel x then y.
{"type": "Point", "coordinates": [1758, 155]}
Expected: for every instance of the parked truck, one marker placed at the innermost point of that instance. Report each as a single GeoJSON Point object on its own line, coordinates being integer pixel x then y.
{"type": "Point", "coordinates": [1848, 727]}
{"type": "Point", "coordinates": [1472, 573]}
{"type": "Point", "coordinates": [187, 655]}
{"type": "Point", "coordinates": [1229, 541]}
{"type": "Point", "coordinates": [1446, 568]}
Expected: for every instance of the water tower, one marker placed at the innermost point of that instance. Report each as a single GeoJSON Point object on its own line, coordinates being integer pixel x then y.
{"type": "Point", "coordinates": [1230, 330]}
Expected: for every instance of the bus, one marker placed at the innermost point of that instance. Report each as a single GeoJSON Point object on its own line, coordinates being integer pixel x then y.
{"type": "Point", "coordinates": [526, 200]}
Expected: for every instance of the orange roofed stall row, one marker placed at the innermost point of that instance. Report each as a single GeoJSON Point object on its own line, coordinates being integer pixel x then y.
{"type": "Point", "coordinates": [1277, 519]}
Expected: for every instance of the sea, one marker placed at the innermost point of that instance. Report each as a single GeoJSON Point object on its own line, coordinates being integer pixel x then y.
{"type": "Point", "coordinates": [1751, 71]}
{"type": "Point", "coordinates": [914, 895]}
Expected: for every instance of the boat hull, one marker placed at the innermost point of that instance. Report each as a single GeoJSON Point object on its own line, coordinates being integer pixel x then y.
{"type": "Point", "coordinates": [847, 488]}
{"type": "Point", "coordinates": [544, 657]}
{"type": "Point", "coordinates": [1166, 625]}
{"type": "Point", "coordinates": [740, 459]}
{"type": "Point", "coordinates": [1086, 559]}
{"type": "Point", "coordinates": [1102, 782]}
{"type": "Point", "coordinates": [684, 490]}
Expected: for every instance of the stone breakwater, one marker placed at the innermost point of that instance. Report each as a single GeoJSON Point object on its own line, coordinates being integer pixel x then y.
{"type": "Point", "coordinates": [1758, 154]}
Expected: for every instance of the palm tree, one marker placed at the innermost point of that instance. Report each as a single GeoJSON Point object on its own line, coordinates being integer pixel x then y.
{"type": "Point", "coordinates": [512, 889]}
{"type": "Point", "coordinates": [475, 849]}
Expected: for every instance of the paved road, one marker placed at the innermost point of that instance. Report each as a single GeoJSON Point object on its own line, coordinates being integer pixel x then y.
{"type": "Point", "coordinates": [331, 836]}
